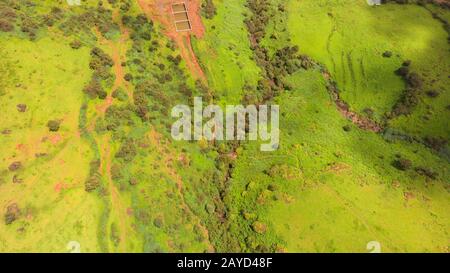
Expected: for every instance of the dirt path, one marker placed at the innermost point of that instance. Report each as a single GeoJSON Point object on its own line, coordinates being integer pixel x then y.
{"type": "Point", "coordinates": [161, 11]}
{"type": "Point", "coordinates": [117, 52]}
{"type": "Point", "coordinates": [116, 203]}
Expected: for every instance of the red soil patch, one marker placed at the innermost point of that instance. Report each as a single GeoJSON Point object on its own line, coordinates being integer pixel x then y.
{"type": "Point", "coordinates": [161, 11]}
{"type": "Point", "coordinates": [21, 147]}
{"type": "Point", "coordinates": [55, 139]}
{"type": "Point", "coordinates": [60, 186]}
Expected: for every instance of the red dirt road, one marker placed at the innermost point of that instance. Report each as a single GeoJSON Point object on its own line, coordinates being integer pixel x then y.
{"type": "Point", "coordinates": [161, 11]}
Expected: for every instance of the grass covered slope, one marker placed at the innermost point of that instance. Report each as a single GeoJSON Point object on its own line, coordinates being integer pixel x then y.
{"type": "Point", "coordinates": [53, 165]}
{"type": "Point", "coordinates": [105, 173]}
{"type": "Point", "coordinates": [87, 155]}
{"type": "Point", "coordinates": [333, 187]}
{"type": "Point", "coordinates": [350, 38]}
{"type": "Point", "coordinates": [328, 190]}
{"type": "Point", "coordinates": [225, 54]}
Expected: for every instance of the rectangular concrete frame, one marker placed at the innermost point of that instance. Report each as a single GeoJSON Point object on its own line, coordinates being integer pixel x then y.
{"type": "Point", "coordinates": [181, 17]}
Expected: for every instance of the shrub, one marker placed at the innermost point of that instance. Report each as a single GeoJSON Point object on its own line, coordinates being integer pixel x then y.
{"type": "Point", "coordinates": [21, 107]}
{"type": "Point", "coordinates": [426, 172]}
{"type": "Point", "coordinates": [120, 94]}
{"type": "Point", "coordinates": [6, 26]}
{"type": "Point", "coordinates": [92, 183]}
{"type": "Point", "coordinates": [12, 213]}
{"type": "Point", "coordinates": [259, 227]}
{"type": "Point", "coordinates": [402, 71]}
{"type": "Point", "coordinates": [127, 151]}
{"type": "Point", "coordinates": [435, 143]}
{"type": "Point", "coordinates": [387, 54]}
{"type": "Point", "coordinates": [94, 89]}
{"type": "Point", "coordinates": [414, 80]}
{"type": "Point", "coordinates": [402, 164]}
{"type": "Point", "coordinates": [53, 125]}
{"type": "Point", "coordinates": [76, 44]}
{"type": "Point", "coordinates": [15, 166]}
{"type": "Point", "coordinates": [128, 77]}
{"type": "Point", "coordinates": [209, 9]}
{"type": "Point", "coordinates": [432, 93]}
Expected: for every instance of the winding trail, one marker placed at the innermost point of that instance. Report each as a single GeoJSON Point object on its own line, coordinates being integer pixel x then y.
{"type": "Point", "coordinates": [118, 51]}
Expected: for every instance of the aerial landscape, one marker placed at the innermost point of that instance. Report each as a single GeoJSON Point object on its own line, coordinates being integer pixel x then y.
{"type": "Point", "coordinates": [359, 155]}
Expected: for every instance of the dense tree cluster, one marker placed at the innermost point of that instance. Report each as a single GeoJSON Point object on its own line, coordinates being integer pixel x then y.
{"type": "Point", "coordinates": [140, 26]}
{"type": "Point", "coordinates": [410, 97]}
{"type": "Point", "coordinates": [101, 63]}
{"type": "Point", "coordinates": [98, 17]}
{"type": "Point", "coordinates": [285, 61]}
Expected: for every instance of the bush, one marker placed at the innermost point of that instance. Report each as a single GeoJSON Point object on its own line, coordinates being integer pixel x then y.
{"type": "Point", "coordinates": [53, 125]}
{"type": "Point", "coordinates": [209, 9]}
{"type": "Point", "coordinates": [414, 80]}
{"type": "Point", "coordinates": [432, 93]}
{"type": "Point", "coordinates": [259, 227]}
{"type": "Point", "coordinates": [92, 183]}
{"type": "Point", "coordinates": [127, 151]}
{"type": "Point", "coordinates": [120, 94]}
{"type": "Point", "coordinates": [94, 89]}
{"type": "Point", "coordinates": [426, 172]}
{"type": "Point", "coordinates": [15, 166]}
{"type": "Point", "coordinates": [6, 26]}
{"type": "Point", "coordinates": [75, 44]}
{"type": "Point", "coordinates": [402, 164]}
{"type": "Point", "coordinates": [435, 143]}
{"type": "Point", "coordinates": [12, 213]}
{"type": "Point", "coordinates": [128, 77]}
{"type": "Point", "coordinates": [387, 54]}
{"type": "Point", "coordinates": [21, 107]}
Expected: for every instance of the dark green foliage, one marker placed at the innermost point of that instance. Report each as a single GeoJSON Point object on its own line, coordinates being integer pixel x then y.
{"type": "Point", "coordinates": [53, 125]}
{"type": "Point", "coordinates": [93, 182]}
{"type": "Point", "coordinates": [128, 77]}
{"type": "Point", "coordinates": [284, 62]}
{"type": "Point", "coordinates": [387, 54]}
{"type": "Point", "coordinates": [402, 164]}
{"type": "Point", "coordinates": [410, 97]}
{"type": "Point", "coordinates": [435, 143]}
{"type": "Point", "coordinates": [127, 151]}
{"type": "Point", "coordinates": [432, 93]}
{"type": "Point", "coordinates": [120, 94]}
{"type": "Point", "coordinates": [426, 172]}
{"type": "Point", "coordinates": [347, 128]}
{"type": "Point", "coordinates": [116, 116]}
{"type": "Point", "coordinates": [76, 44]}
{"type": "Point", "coordinates": [94, 89]}
{"type": "Point", "coordinates": [12, 213]}
{"type": "Point", "coordinates": [15, 166]}
{"type": "Point", "coordinates": [6, 26]}
{"type": "Point", "coordinates": [99, 58]}
{"type": "Point", "coordinates": [209, 9]}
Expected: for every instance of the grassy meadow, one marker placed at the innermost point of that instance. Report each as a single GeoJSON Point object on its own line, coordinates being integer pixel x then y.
{"type": "Point", "coordinates": [87, 156]}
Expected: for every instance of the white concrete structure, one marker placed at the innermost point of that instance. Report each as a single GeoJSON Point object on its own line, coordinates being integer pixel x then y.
{"type": "Point", "coordinates": [374, 2]}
